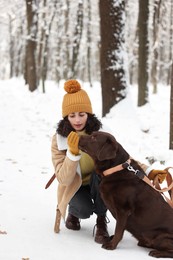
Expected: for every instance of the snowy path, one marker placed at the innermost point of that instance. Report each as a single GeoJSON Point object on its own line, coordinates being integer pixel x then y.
{"type": "Point", "coordinates": [27, 209]}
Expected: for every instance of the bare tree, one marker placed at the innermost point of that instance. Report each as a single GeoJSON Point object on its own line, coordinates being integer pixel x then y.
{"type": "Point", "coordinates": [77, 38]}
{"type": "Point", "coordinates": [41, 40]}
{"type": "Point", "coordinates": [20, 49]}
{"type": "Point", "coordinates": [89, 42]}
{"type": "Point", "coordinates": [170, 43]}
{"type": "Point", "coordinates": [171, 94]}
{"type": "Point", "coordinates": [113, 80]}
{"type": "Point", "coordinates": [30, 60]}
{"type": "Point", "coordinates": [11, 47]}
{"type": "Point", "coordinates": [59, 51]}
{"type": "Point", "coordinates": [46, 46]}
{"type": "Point", "coordinates": [143, 52]}
{"type": "Point", "coordinates": [66, 50]}
{"type": "Point", "coordinates": [73, 41]}
{"type": "Point", "coordinates": [171, 113]}
{"type": "Point", "coordinates": [156, 24]}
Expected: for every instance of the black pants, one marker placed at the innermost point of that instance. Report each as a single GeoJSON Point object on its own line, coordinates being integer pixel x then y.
{"type": "Point", "coordinates": [87, 200]}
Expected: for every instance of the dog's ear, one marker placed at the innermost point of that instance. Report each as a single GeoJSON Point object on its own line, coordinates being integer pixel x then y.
{"type": "Point", "coordinates": [108, 151]}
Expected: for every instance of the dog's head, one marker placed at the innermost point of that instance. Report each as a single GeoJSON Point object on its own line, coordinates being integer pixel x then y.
{"type": "Point", "coordinates": [99, 145]}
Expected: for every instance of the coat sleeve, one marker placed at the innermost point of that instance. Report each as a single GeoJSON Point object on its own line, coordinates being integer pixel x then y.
{"type": "Point", "coordinates": [64, 165]}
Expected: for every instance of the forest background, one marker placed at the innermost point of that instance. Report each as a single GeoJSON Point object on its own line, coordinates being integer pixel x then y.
{"type": "Point", "coordinates": [115, 42]}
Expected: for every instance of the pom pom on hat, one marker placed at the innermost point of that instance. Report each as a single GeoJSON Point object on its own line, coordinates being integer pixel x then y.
{"type": "Point", "coordinates": [76, 99]}
{"type": "Point", "coordinates": [72, 86]}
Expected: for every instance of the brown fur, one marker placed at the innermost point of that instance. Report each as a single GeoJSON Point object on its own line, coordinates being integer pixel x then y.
{"type": "Point", "coordinates": [136, 206]}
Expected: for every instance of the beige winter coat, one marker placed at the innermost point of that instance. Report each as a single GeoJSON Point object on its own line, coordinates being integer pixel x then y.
{"type": "Point", "coordinates": [67, 171]}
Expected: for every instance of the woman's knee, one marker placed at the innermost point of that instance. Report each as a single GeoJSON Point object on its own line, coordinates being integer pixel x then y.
{"type": "Point", "coordinates": [81, 211]}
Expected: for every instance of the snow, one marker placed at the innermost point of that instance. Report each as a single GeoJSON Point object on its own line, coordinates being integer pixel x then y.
{"type": "Point", "coordinates": [28, 121]}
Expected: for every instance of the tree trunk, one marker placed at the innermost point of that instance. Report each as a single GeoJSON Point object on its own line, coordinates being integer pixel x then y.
{"type": "Point", "coordinates": [143, 52]}
{"type": "Point", "coordinates": [11, 42]}
{"type": "Point", "coordinates": [170, 44]}
{"type": "Point", "coordinates": [156, 24]}
{"type": "Point", "coordinates": [45, 50]}
{"type": "Point", "coordinates": [113, 80]}
{"type": "Point", "coordinates": [41, 41]}
{"type": "Point", "coordinates": [30, 73]}
{"type": "Point", "coordinates": [77, 38]}
{"type": "Point", "coordinates": [171, 113]}
{"type": "Point", "coordinates": [89, 43]}
{"type": "Point", "coordinates": [171, 94]}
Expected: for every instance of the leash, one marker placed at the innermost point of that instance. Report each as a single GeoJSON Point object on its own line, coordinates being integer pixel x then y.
{"type": "Point", "coordinates": [155, 185]}
{"type": "Point", "coordinates": [50, 181]}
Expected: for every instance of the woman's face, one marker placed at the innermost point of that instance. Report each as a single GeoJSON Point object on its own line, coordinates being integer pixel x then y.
{"type": "Point", "coordinates": [78, 120]}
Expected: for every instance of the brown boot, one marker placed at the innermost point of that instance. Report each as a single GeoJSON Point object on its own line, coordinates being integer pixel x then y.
{"type": "Point", "coordinates": [102, 235]}
{"type": "Point", "coordinates": [72, 222]}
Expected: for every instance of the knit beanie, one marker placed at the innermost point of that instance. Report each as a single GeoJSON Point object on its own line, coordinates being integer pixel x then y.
{"type": "Point", "coordinates": [76, 99]}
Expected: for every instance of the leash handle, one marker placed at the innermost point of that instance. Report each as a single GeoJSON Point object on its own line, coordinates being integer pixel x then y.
{"type": "Point", "coordinates": [169, 181]}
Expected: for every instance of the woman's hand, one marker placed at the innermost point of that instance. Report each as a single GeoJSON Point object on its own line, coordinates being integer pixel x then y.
{"type": "Point", "coordinates": [73, 141]}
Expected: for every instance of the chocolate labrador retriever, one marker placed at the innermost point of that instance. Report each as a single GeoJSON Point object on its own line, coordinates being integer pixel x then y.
{"type": "Point", "coordinates": [135, 205]}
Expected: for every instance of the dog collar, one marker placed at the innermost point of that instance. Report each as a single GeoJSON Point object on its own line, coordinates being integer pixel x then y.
{"type": "Point", "coordinates": [117, 168]}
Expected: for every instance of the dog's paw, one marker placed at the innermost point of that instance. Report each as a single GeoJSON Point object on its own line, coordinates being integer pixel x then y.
{"type": "Point", "coordinates": [161, 254]}
{"type": "Point", "coordinates": [156, 253]}
{"type": "Point", "coordinates": [109, 246]}
{"type": "Point", "coordinates": [144, 244]}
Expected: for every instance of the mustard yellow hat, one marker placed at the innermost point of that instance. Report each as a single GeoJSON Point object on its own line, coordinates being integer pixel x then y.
{"type": "Point", "coordinates": [76, 99]}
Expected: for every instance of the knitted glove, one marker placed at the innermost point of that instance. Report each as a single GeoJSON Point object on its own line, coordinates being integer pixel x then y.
{"type": "Point", "coordinates": [72, 141]}
{"type": "Point", "coordinates": [160, 173]}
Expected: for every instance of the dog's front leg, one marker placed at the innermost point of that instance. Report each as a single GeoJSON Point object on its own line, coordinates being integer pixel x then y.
{"type": "Point", "coordinates": [121, 221]}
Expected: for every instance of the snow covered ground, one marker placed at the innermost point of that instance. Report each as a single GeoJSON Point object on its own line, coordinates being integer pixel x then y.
{"type": "Point", "coordinates": [27, 123]}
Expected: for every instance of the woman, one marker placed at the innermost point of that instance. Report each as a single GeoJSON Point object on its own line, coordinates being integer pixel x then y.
{"type": "Point", "coordinates": [74, 169]}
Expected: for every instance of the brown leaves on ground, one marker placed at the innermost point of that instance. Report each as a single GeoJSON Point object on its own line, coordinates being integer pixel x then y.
{"type": "Point", "coordinates": [3, 232]}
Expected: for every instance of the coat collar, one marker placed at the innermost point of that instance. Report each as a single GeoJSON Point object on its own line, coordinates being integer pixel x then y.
{"type": "Point", "coordinates": [61, 142]}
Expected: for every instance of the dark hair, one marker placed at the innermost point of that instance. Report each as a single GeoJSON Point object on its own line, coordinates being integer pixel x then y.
{"type": "Point", "coordinates": [93, 124]}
